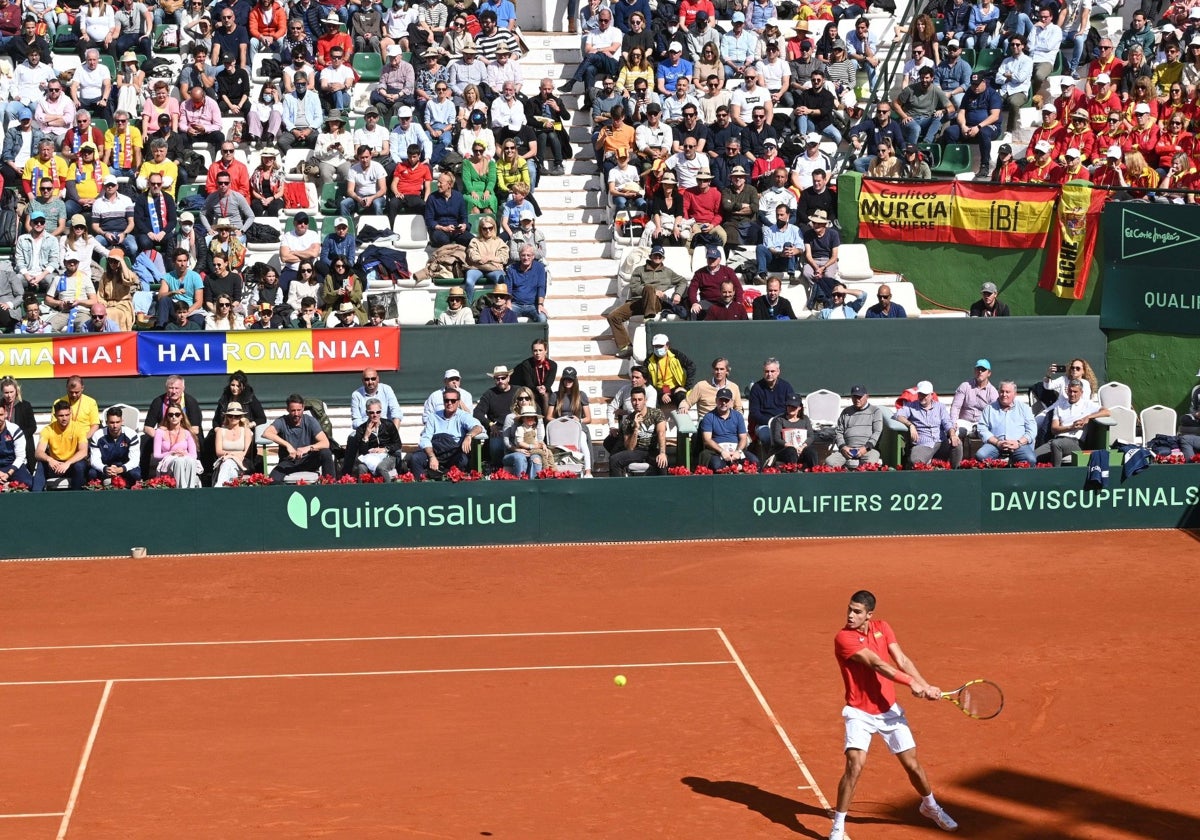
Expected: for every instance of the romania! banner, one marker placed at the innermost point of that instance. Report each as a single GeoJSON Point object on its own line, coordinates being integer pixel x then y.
{"type": "Point", "coordinates": [957, 212]}
{"type": "Point", "coordinates": [1072, 241]}
{"type": "Point", "coordinates": [53, 357]}
{"type": "Point", "coordinates": [268, 351]}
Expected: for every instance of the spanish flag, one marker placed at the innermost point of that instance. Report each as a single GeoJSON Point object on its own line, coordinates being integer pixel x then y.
{"type": "Point", "coordinates": [1072, 240]}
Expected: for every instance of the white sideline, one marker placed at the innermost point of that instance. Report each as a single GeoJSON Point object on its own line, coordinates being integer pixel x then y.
{"type": "Point", "coordinates": [83, 761]}
{"type": "Point", "coordinates": [779, 730]}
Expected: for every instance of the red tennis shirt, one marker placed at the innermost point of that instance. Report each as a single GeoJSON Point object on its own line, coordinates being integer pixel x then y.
{"type": "Point", "coordinates": [866, 689]}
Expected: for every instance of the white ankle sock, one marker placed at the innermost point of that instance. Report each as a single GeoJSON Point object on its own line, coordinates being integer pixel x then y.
{"type": "Point", "coordinates": [929, 801]}
{"type": "Point", "coordinates": [839, 819]}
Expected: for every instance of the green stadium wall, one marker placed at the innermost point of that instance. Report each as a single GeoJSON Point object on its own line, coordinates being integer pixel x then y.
{"type": "Point", "coordinates": [1161, 368]}
{"type": "Point", "coordinates": [555, 511]}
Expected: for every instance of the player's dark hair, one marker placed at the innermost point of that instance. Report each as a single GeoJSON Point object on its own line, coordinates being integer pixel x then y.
{"type": "Point", "coordinates": [637, 389]}
{"type": "Point", "coordinates": [865, 598]}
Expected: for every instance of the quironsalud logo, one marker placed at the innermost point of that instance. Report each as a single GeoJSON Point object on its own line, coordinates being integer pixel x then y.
{"type": "Point", "coordinates": [311, 513]}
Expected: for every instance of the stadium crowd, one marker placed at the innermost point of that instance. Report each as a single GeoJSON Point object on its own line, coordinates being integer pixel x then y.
{"type": "Point", "coordinates": [536, 417]}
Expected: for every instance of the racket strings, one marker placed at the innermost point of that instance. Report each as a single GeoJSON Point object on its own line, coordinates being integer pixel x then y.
{"type": "Point", "coordinates": [982, 700]}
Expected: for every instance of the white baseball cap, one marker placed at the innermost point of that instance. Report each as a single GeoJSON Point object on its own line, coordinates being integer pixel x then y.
{"type": "Point", "coordinates": [1114, 152]}
{"type": "Point", "coordinates": [1104, 78]}
{"type": "Point", "coordinates": [1141, 108]}
{"type": "Point", "coordinates": [1042, 146]}
{"type": "Point", "coordinates": [1048, 108]}
{"type": "Point", "coordinates": [660, 340]}
{"type": "Point", "coordinates": [924, 387]}
{"type": "Point", "coordinates": [1073, 152]}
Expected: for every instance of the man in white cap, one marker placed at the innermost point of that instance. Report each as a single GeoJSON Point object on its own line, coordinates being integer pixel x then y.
{"type": "Point", "coordinates": [527, 234]}
{"type": "Point", "coordinates": [1104, 99]}
{"type": "Point", "coordinates": [953, 73]}
{"type": "Point", "coordinates": [809, 161]}
{"type": "Point", "coordinates": [1075, 170]}
{"type": "Point", "coordinates": [931, 432]}
{"type": "Point", "coordinates": [397, 83]}
{"type": "Point", "coordinates": [112, 218]}
{"type": "Point", "coordinates": [600, 51]}
{"type": "Point", "coordinates": [408, 132]}
{"type": "Point", "coordinates": [670, 70]}
{"type": "Point", "coordinates": [1110, 173]}
{"type": "Point", "coordinates": [451, 381]}
{"type": "Point", "coordinates": [1042, 169]}
{"type": "Point", "coordinates": [1051, 130]}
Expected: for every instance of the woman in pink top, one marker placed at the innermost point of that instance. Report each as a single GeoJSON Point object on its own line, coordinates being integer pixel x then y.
{"type": "Point", "coordinates": [175, 449]}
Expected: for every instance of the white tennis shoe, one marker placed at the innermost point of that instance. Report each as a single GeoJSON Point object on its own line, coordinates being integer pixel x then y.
{"type": "Point", "coordinates": [939, 817]}
{"type": "Point", "coordinates": [836, 833]}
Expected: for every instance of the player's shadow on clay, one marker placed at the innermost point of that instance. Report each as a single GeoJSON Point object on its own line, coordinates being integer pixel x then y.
{"type": "Point", "coordinates": [780, 810]}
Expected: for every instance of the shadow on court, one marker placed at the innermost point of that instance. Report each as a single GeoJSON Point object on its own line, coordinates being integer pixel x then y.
{"type": "Point", "coordinates": [780, 810]}
{"type": "Point", "coordinates": [1071, 806]}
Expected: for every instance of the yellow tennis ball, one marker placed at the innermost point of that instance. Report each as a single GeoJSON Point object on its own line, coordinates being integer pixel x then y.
{"type": "Point", "coordinates": [619, 680]}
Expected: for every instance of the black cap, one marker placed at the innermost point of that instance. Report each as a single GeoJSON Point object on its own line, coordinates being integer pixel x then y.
{"type": "Point", "coordinates": [569, 373]}
{"type": "Point", "coordinates": [795, 401]}
{"type": "Point", "coordinates": [976, 78]}
{"type": "Point", "coordinates": [1005, 149]}
{"type": "Point", "coordinates": [724, 394]}
{"type": "Point", "coordinates": [300, 217]}
{"type": "Point", "coordinates": [858, 391]}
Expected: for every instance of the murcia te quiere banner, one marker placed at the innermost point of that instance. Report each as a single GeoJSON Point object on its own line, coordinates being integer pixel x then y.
{"type": "Point", "coordinates": [956, 212]}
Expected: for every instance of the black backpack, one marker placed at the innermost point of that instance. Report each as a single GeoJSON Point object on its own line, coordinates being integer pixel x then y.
{"type": "Point", "coordinates": [9, 227]}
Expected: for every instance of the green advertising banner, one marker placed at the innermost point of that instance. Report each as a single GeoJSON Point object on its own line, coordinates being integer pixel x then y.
{"type": "Point", "coordinates": [1150, 272]}
{"type": "Point", "coordinates": [669, 508]}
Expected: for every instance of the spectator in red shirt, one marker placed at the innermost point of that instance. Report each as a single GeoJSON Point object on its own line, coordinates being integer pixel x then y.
{"type": "Point", "coordinates": [729, 308]}
{"type": "Point", "coordinates": [1051, 130]}
{"type": "Point", "coordinates": [1172, 141]}
{"type": "Point", "coordinates": [1074, 169]}
{"type": "Point", "coordinates": [412, 181]}
{"type": "Point", "coordinates": [702, 204]}
{"type": "Point", "coordinates": [705, 289]}
{"type": "Point", "coordinates": [1144, 137]}
{"type": "Point", "coordinates": [1042, 169]}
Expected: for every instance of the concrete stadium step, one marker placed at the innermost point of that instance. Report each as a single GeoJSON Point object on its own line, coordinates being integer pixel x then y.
{"type": "Point", "coordinates": [563, 200]}
{"type": "Point", "coordinates": [552, 41]}
{"type": "Point", "coordinates": [573, 231]}
{"type": "Point", "coordinates": [568, 183]}
{"type": "Point", "coordinates": [580, 249]}
{"type": "Point", "coordinates": [580, 327]}
{"type": "Point", "coordinates": [594, 288]}
{"type": "Point", "coordinates": [584, 269]}
{"type": "Point", "coordinates": [572, 217]}
{"type": "Point", "coordinates": [584, 347]}
{"type": "Point", "coordinates": [595, 369]}
{"type": "Point", "coordinates": [551, 57]}
{"type": "Point", "coordinates": [585, 308]}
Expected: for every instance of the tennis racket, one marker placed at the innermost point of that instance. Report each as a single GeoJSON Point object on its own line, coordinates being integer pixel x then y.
{"type": "Point", "coordinates": [980, 699]}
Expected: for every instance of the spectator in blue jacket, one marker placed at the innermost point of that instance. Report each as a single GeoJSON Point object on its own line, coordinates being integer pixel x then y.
{"type": "Point", "coordinates": [446, 214]}
{"type": "Point", "coordinates": [527, 285]}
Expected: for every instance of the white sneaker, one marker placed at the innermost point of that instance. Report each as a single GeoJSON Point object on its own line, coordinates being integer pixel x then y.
{"type": "Point", "coordinates": [939, 817]}
{"type": "Point", "coordinates": [837, 833]}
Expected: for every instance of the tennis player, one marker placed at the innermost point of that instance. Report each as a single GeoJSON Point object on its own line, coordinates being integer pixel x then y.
{"type": "Point", "coordinates": [866, 650]}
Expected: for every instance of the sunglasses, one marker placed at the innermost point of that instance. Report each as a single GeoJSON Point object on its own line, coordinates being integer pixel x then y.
{"type": "Point", "coordinates": [174, 413]}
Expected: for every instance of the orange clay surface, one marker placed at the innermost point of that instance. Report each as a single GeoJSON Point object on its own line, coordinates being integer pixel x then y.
{"type": "Point", "coordinates": [469, 693]}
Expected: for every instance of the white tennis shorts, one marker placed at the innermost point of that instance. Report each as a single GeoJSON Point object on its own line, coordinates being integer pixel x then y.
{"type": "Point", "coordinates": [892, 726]}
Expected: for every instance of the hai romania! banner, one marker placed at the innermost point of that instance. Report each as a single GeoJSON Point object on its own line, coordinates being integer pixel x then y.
{"type": "Point", "coordinates": [53, 357]}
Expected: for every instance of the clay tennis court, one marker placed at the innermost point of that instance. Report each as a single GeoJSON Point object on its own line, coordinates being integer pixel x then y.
{"type": "Point", "coordinates": [469, 693]}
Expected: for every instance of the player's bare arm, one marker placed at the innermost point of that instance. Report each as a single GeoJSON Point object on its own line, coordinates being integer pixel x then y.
{"type": "Point", "coordinates": [896, 674]}
{"type": "Point", "coordinates": [932, 692]}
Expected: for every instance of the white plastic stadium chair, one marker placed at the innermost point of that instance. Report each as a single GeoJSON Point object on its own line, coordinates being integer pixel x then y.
{"type": "Point", "coordinates": [1114, 394]}
{"type": "Point", "coordinates": [854, 263]}
{"type": "Point", "coordinates": [567, 433]}
{"type": "Point", "coordinates": [1124, 424]}
{"type": "Point", "coordinates": [1158, 420]}
{"type": "Point", "coordinates": [824, 406]}
{"type": "Point", "coordinates": [414, 307]}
